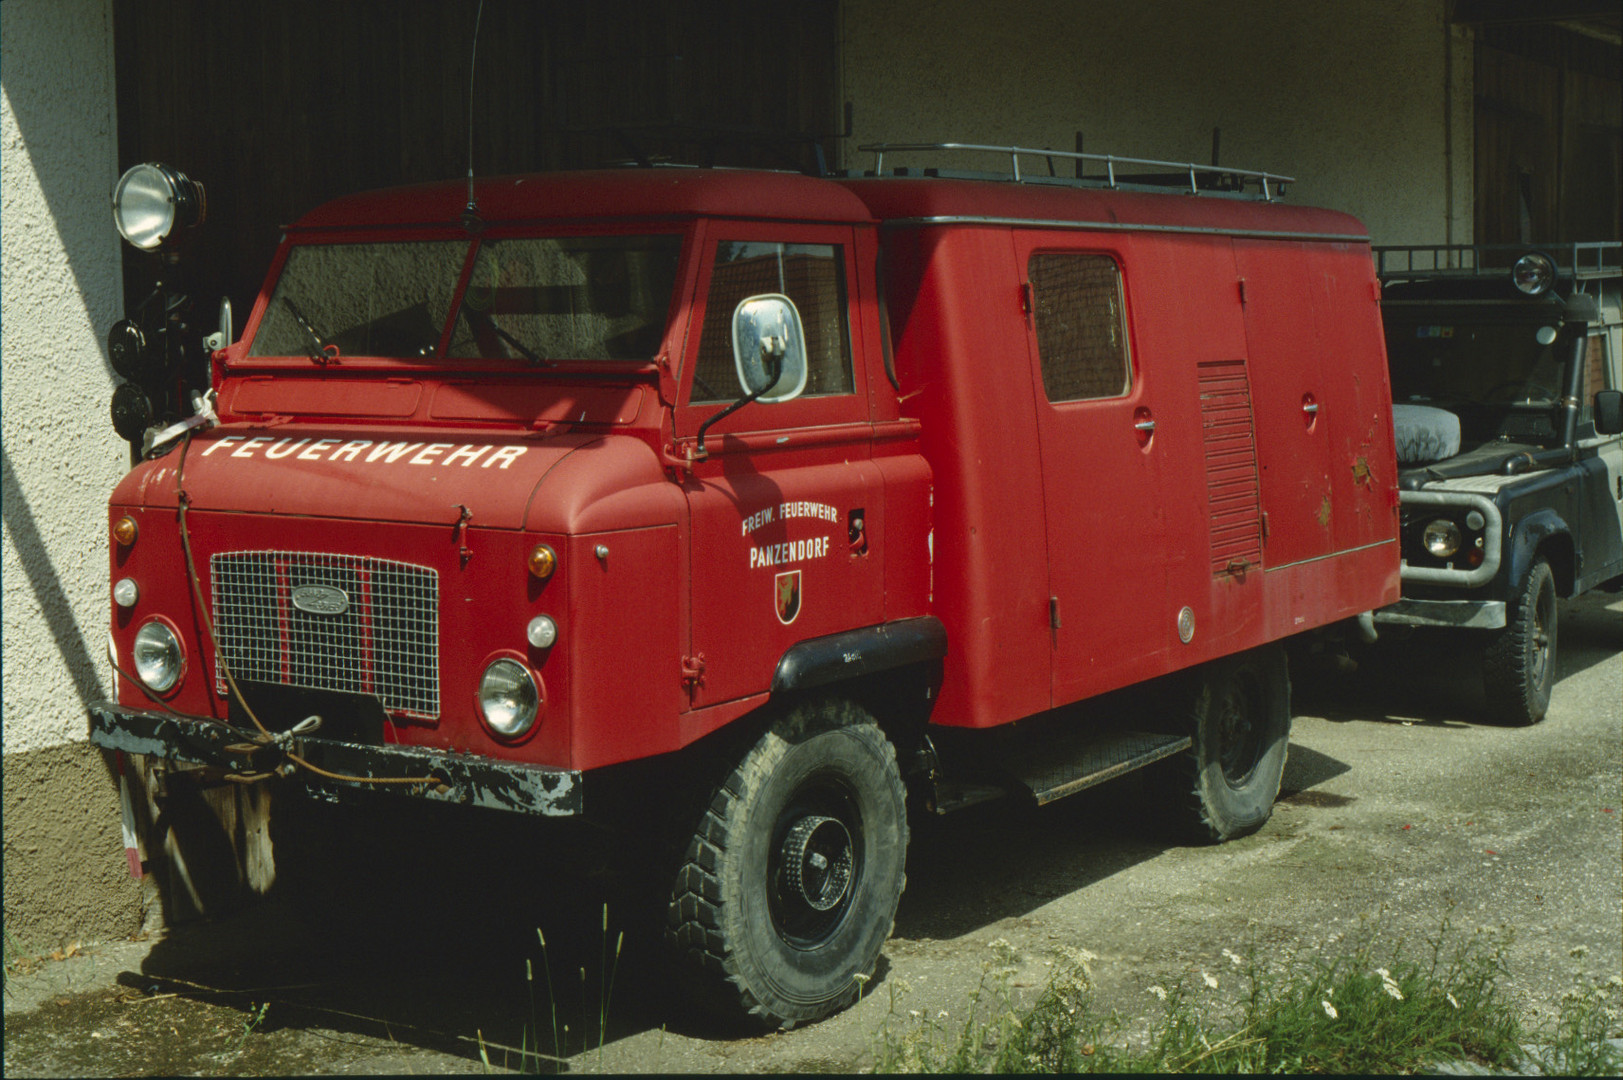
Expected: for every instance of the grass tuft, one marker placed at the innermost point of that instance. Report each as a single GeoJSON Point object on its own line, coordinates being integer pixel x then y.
{"type": "Point", "coordinates": [1362, 1005]}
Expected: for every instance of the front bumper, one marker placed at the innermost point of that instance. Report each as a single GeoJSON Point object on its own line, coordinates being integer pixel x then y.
{"type": "Point", "coordinates": [1458, 614]}
{"type": "Point", "coordinates": [457, 778]}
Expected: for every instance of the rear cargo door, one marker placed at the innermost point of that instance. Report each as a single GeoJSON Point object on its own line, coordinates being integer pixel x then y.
{"type": "Point", "coordinates": [1104, 513]}
{"type": "Point", "coordinates": [1290, 400]}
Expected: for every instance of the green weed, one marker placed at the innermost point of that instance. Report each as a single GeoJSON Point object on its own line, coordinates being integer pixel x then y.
{"type": "Point", "coordinates": [1362, 1004]}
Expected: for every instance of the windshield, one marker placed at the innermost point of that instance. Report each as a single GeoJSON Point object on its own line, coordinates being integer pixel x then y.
{"type": "Point", "coordinates": [540, 299]}
{"type": "Point", "coordinates": [1502, 377]}
{"type": "Point", "coordinates": [364, 299]}
{"type": "Point", "coordinates": [573, 298]}
{"type": "Point", "coordinates": [1474, 363]}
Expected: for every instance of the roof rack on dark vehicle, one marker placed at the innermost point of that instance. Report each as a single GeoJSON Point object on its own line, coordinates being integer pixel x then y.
{"type": "Point", "coordinates": [1579, 261]}
{"type": "Point", "coordinates": [1189, 176]}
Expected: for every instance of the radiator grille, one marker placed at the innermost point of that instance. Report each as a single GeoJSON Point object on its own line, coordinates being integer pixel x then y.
{"type": "Point", "coordinates": [1231, 466]}
{"type": "Point", "coordinates": [385, 641]}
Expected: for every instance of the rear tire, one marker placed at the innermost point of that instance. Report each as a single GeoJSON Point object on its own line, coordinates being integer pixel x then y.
{"type": "Point", "coordinates": [1238, 712]}
{"type": "Point", "coordinates": [788, 887]}
{"type": "Point", "coordinates": [1518, 666]}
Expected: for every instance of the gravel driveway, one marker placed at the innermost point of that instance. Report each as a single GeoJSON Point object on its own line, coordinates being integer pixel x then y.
{"type": "Point", "coordinates": [1398, 807]}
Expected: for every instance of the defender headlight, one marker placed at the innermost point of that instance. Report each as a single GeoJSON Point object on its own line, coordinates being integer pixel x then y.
{"type": "Point", "coordinates": [150, 200]}
{"type": "Point", "coordinates": [157, 655]}
{"type": "Point", "coordinates": [508, 698]}
{"type": "Point", "coordinates": [1442, 538]}
{"type": "Point", "coordinates": [1533, 274]}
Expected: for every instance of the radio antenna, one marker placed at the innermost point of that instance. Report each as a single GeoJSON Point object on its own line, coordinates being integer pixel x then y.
{"type": "Point", "coordinates": [470, 214]}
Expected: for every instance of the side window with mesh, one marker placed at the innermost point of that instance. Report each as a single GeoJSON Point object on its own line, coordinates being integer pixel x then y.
{"type": "Point", "coordinates": [813, 276]}
{"type": "Point", "coordinates": [1081, 328]}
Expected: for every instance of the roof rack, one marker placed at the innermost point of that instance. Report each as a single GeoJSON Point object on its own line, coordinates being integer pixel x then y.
{"type": "Point", "coordinates": [1579, 261]}
{"type": "Point", "coordinates": [1187, 175]}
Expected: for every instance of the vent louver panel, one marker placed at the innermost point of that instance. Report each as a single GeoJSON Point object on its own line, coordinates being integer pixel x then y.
{"type": "Point", "coordinates": [1228, 431]}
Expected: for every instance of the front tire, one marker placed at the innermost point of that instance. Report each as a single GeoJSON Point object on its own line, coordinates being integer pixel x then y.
{"type": "Point", "coordinates": [788, 887]}
{"type": "Point", "coordinates": [1518, 666]}
{"type": "Point", "coordinates": [1238, 713]}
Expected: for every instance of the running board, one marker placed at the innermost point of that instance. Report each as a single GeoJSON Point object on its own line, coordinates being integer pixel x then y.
{"type": "Point", "coordinates": [1054, 772]}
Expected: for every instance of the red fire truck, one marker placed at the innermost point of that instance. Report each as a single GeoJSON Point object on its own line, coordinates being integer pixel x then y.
{"type": "Point", "coordinates": [819, 496]}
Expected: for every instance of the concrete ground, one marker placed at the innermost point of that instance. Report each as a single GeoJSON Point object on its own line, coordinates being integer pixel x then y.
{"type": "Point", "coordinates": [1399, 808]}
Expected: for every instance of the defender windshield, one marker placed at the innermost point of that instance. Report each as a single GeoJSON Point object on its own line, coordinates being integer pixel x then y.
{"type": "Point", "coordinates": [1502, 377]}
{"type": "Point", "coordinates": [542, 299]}
{"type": "Point", "coordinates": [1477, 362]}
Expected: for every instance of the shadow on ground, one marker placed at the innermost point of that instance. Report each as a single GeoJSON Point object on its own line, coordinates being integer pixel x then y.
{"type": "Point", "coordinates": [1434, 677]}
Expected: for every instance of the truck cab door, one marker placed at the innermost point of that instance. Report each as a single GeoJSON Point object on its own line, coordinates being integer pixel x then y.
{"type": "Point", "coordinates": [786, 506]}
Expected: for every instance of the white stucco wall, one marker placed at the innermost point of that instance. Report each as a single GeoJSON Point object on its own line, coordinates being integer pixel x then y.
{"type": "Point", "coordinates": [59, 291]}
{"type": "Point", "coordinates": [1346, 97]}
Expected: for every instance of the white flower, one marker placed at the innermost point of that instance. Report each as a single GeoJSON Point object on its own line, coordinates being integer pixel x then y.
{"type": "Point", "coordinates": [1386, 976]}
{"type": "Point", "coordinates": [1233, 959]}
{"type": "Point", "coordinates": [861, 978]}
{"type": "Point", "coordinates": [1452, 1002]}
{"type": "Point", "coordinates": [1329, 1009]}
{"type": "Point", "coordinates": [1211, 980]}
{"type": "Point", "coordinates": [1158, 991]}
{"type": "Point", "coordinates": [1392, 988]}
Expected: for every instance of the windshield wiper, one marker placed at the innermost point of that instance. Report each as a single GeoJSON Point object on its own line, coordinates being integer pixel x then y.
{"type": "Point", "coordinates": [319, 353]}
{"type": "Point", "coordinates": [523, 350]}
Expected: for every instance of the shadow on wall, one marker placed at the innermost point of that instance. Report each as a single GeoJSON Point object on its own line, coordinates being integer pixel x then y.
{"type": "Point", "coordinates": [204, 837]}
{"type": "Point", "coordinates": [47, 587]}
{"type": "Point", "coordinates": [52, 112]}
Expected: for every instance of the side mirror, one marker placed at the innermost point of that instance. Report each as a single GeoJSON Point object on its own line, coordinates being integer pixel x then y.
{"type": "Point", "coordinates": [225, 335]}
{"type": "Point", "coordinates": [1609, 412]}
{"type": "Point", "coordinates": [769, 348]}
{"type": "Point", "coordinates": [1581, 307]}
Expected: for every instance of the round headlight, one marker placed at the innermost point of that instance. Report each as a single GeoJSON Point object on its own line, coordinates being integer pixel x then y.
{"type": "Point", "coordinates": [126, 593]}
{"type": "Point", "coordinates": [1474, 520]}
{"type": "Point", "coordinates": [1442, 538]}
{"type": "Point", "coordinates": [542, 632]}
{"type": "Point", "coordinates": [508, 698]}
{"type": "Point", "coordinates": [150, 200]}
{"type": "Point", "coordinates": [1533, 274]}
{"type": "Point", "coordinates": [157, 656]}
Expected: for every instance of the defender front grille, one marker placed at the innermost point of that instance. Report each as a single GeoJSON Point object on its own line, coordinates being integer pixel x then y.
{"type": "Point", "coordinates": [330, 622]}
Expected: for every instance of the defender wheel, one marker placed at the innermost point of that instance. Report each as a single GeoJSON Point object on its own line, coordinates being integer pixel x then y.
{"type": "Point", "coordinates": [788, 887]}
{"type": "Point", "coordinates": [1518, 666]}
{"type": "Point", "coordinates": [1238, 712]}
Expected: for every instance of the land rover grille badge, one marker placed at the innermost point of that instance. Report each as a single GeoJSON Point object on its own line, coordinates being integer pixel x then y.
{"type": "Point", "coordinates": [320, 599]}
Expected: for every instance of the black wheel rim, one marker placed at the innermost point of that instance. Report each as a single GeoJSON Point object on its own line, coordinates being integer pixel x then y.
{"type": "Point", "coordinates": [1239, 728]}
{"type": "Point", "coordinates": [1541, 639]}
{"type": "Point", "coordinates": [815, 863]}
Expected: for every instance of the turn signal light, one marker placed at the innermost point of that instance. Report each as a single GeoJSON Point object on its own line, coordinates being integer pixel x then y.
{"type": "Point", "coordinates": [124, 531]}
{"type": "Point", "coordinates": [543, 561]}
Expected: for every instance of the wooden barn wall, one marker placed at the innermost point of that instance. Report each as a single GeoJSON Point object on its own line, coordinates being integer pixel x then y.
{"type": "Point", "coordinates": [1549, 136]}
{"type": "Point", "coordinates": [278, 107]}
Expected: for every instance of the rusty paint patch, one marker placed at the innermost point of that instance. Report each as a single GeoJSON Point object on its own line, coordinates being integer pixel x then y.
{"type": "Point", "coordinates": [1362, 473]}
{"type": "Point", "coordinates": [1324, 511]}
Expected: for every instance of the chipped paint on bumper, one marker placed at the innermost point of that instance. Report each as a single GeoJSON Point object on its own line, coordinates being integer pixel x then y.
{"type": "Point", "coordinates": [462, 778]}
